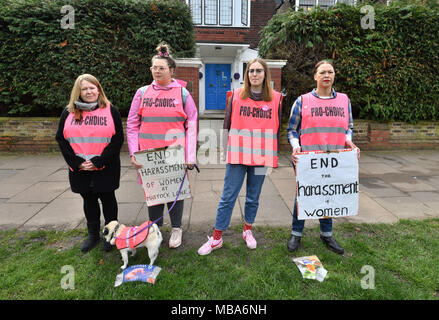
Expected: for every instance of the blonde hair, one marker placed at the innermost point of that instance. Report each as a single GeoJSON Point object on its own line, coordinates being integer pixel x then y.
{"type": "Point", "coordinates": [76, 93]}
{"type": "Point", "coordinates": [266, 85]}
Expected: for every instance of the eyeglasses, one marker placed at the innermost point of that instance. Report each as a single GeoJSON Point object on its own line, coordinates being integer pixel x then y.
{"type": "Point", "coordinates": [326, 72]}
{"type": "Point", "coordinates": [255, 70]}
{"type": "Point", "coordinates": [154, 68]}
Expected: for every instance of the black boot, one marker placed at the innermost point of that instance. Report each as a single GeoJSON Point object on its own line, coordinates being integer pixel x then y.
{"type": "Point", "coordinates": [293, 243]}
{"type": "Point", "coordinates": [93, 237]}
{"type": "Point", "coordinates": [106, 246]}
{"type": "Point", "coordinates": [332, 244]}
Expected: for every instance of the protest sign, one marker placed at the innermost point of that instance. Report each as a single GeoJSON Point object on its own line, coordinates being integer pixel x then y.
{"type": "Point", "coordinates": [327, 184]}
{"type": "Point", "coordinates": [162, 174]}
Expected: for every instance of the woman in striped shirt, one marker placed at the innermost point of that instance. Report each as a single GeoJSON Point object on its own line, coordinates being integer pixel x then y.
{"type": "Point", "coordinates": [319, 120]}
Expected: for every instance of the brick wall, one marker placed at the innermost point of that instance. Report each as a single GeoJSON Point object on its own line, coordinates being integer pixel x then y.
{"type": "Point", "coordinates": [38, 135]}
{"type": "Point", "coordinates": [31, 134]}
{"type": "Point", "coordinates": [260, 12]}
{"type": "Point", "coordinates": [28, 134]}
{"type": "Point", "coordinates": [190, 75]}
{"type": "Point", "coordinates": [371, 135]}
{"type": "Point", "coordinates": [220, 35]}
{"type": "Point", "coordinates": [276, 77]}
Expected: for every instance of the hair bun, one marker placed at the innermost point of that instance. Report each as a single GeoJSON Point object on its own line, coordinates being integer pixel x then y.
{"type": "Point", "coordinates": [163, 49]}
{"type": "Point", "coordinates": [164, 52]}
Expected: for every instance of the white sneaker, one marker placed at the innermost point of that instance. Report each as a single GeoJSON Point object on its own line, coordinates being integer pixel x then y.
{"type": "Point", "coordinates": [175, 240]}
{"type": "Point", "coordinates": [249, 239]}
{"type": "Point", "coordinates": [210, 245]}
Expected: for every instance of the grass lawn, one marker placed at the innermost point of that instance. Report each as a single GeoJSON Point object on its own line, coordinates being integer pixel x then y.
{"type": "Point", "coordinates": [404, 257]}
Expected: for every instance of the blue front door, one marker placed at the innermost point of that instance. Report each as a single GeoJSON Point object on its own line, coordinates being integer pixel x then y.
{"type": "Point", "coordinates": [217, 83]}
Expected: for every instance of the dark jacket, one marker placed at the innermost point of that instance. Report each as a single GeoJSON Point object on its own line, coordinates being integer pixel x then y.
{"type": "Point", "coordinates": [105, 180]}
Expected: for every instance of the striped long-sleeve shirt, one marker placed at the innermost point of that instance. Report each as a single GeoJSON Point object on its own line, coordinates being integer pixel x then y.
{"type": "Point", "coordinates": [295, 122]}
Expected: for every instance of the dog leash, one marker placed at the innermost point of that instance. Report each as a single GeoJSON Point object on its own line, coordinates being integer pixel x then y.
{"type": "Point", "coordinates": [169, 210]}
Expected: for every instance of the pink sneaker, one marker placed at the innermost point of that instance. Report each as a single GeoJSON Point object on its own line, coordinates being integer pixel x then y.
{"type": "Point", "coordinates": [210, 245]}
{"type": "Point", "coordinates": [249, 239]}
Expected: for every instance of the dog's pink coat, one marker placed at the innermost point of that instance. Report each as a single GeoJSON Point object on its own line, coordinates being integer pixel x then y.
{"type": "Point", "coordinates": [122, 242]}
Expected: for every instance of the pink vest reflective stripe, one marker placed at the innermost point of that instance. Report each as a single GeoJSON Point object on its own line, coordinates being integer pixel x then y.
{"type": "Point", "coordinates": [253, 131]}
{"type": "Point", "coordinates": [89, 137]}
{"type": "Point", "coordinates": [131, 237]}
{"type": "Point", "coordinates": [162, 118]}
{"type": "Point", "coordinates": [324, 122]}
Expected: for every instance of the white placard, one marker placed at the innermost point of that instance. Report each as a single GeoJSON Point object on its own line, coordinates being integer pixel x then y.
{"type": "Point", "coordinates": [327, 184]}
{"type": "Point", "coordinates": [162, 173]}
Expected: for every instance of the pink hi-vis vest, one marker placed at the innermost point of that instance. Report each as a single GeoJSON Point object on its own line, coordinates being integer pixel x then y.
{"type": "Point", "coordinates": [129, 238]}
{"type": "Point", "coordinates": [324, 122]}
{"type": "Point", "coordinates": [162, 118]}
{"type": "Point", "coordinates": [89, 137]}
{"type": "Point", "coordinates": [253, 131]}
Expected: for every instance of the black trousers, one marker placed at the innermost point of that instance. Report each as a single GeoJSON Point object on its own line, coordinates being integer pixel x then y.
{"type": "Point", "coordinates": [92, 209]}
{"type": "Point", "coordinates": [176, 214]}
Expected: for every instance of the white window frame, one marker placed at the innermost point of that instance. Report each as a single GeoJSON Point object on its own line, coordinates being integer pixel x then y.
{"type": "Point", "coordinates": [236, 14]}
{"type": "Point", "coordinates": [297, 4]}
{"type": "Point", "coordinates": [200, 4]}
{"type": "Point", "coordinates": [245, 3]}
{"type": "Point", "coordinates": [231, 13]}
{"type": "Point", "coordinates": [216, 13]}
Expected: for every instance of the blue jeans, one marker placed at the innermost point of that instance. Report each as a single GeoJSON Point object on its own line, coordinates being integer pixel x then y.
{"type": "Point", "coordinates": [235, 174]}
{"type": "Point", "coordinates": [298, 225]}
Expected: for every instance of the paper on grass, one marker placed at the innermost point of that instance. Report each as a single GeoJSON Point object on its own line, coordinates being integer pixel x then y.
{"type": "Point", "coordinates": [311, 268]}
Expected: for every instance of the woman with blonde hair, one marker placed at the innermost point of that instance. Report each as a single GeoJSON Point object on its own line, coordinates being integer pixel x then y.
{"type": "Point", "coordinates": [90, 136]}
{"type": "Point", "coordinates": [251, 127]}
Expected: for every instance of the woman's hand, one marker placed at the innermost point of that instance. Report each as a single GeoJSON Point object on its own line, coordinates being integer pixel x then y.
{"type": "Point", "coordinates": [223, 155]}
{"type": "Point", "coordinates": [190, 166]}
{"type": "Point", "coordinates": [87, 166]}
{"type": "Point", "coordinates": [351, 145]}
{"type": "Point", "coordinates": [135, 163]}
{"type": "Point", "coordinates": [296, 150]}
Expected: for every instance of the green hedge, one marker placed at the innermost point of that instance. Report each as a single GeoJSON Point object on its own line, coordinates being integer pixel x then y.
{"type": "Point", "coordinates": [112, 39]}
{"type": "Point", "coordinates": [390, 72]}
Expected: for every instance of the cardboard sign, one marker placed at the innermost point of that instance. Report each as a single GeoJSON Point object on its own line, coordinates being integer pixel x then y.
{"type": "Point", "coordinates": [327, 184]}
{"type": "Point", "coordinates": [162, 174]}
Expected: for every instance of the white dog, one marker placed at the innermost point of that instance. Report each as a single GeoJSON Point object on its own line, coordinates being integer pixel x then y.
{"type": "Point", "coordinates": [128, 239]}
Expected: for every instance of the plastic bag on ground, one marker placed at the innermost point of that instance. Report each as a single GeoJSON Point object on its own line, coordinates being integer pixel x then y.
{"type": "Point", "coordinates": [140, 272]}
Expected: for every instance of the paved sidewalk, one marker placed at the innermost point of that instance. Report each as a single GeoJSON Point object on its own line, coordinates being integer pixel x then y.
{"type": "Point", "coordinates": [35, 193]}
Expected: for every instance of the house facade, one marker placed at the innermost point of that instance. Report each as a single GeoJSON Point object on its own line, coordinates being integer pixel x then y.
{"type": "Point", "coordinates": [227, 35]}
